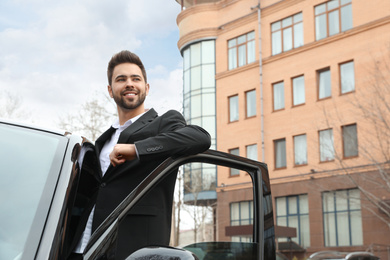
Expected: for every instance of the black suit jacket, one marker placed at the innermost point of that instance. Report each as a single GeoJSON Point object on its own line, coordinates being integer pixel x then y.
{"type": "Point", "coordinates": [156, 138]}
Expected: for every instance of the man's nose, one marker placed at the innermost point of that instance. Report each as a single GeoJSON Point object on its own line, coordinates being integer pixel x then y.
{"type": "Point", "coordinates": [129, 82]}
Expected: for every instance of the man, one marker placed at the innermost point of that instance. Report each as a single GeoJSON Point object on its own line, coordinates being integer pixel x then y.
{"type": "Point", "coordinates": [136, 144]}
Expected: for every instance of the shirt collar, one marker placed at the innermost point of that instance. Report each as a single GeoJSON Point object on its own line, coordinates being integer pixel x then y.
{"type": "Point", "coordinates": [116, 124]}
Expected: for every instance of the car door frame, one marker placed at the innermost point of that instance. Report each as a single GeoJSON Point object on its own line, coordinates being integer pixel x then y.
{"type": "Point", "coordinates": [103, 239]}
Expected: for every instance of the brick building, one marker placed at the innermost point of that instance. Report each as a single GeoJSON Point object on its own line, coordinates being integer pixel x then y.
{"type": "Point", "coordinates": [304, 87]}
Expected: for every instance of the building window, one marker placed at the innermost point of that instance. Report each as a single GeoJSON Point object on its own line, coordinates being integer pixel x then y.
{"type": "Point", "coordinates": [241, 213]}
{"type": "Point", "coordinates": [326, 145]}
{"type": "Point", "coordinates": [233, 171]}
{"type": "Point", "coordinates": [250, 98]}
{"type": "Point", "coordinates": [233, 108]}
{"type": "Point", "coordinates": [293, 211]}
{"type": "Point", "coordinates": [241, 50]}
{"type": "Point", "coordinates": [242, 239]}
{"type": "Point", "coordinates": [347, 77]}
{"type": "Point", "coordinates": [280, 153]}
{"type": "Point", "coordinates": [251, 152]}
{"type": "Point", "coordinates": [300, 150]}
{"type": "Point", "coordinates": [324, 85]}
{"type": "Point", "coordinates": [350, 142]}
{"type": "Point", "coordinates": [342, 218]}
{"type": "Point", "coordinates": [333, 17]}
{"type": "Point", "coordinates": [278, 95]}
{"type": "Point", "coordinates": [287, 34]}
{"type": "Point", "coordinates": [298, 85]}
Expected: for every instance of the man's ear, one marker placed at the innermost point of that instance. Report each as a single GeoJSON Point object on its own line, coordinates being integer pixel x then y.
{"type": "Point", "coordinates": [109, 88]}
{"type": "Point", "coordinates": [147, 87]}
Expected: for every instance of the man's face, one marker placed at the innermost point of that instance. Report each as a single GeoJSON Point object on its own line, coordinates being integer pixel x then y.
{"type": "Point", "coordinates": [128, 87]}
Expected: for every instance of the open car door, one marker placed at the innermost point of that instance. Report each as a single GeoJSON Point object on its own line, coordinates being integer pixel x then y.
{"type": "Point", "coordinates": [239, 223]}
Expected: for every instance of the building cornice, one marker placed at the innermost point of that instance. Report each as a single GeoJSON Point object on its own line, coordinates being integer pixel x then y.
{"type": "Point", "coordinates": [195, 41]}
{"type": "Point", "coordinates": [196, 36]}
{"type": "Point", "coordinates": [250, 17]}
{"type": "Point", "coordinates": [203, 8]}
{"type": "Point", "coordinates": [228, 73]}
{"type": "Point", "coordinates": [195, 10]}
{"type": "Point", "coordinates": [279, 6]}
{"type": "Point", "coordinates": [328, 173]}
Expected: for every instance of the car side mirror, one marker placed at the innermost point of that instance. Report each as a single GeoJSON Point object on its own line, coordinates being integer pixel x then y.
{"type": "Point", "coordinates": [162, 253]}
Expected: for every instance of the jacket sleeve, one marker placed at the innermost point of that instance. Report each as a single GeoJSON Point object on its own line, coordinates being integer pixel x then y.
{"type": "Point", "coordinates": [174, 138]}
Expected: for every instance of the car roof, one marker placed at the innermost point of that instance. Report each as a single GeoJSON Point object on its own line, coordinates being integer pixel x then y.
{"type": "Point", "coordinates": [32, 126]}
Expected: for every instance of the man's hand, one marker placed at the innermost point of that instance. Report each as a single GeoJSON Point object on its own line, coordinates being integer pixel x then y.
{"type": "Point", "coordinates": [122, 153]}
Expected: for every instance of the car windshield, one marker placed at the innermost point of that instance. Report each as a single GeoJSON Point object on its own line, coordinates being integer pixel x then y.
{"type": "Point", "coordinates": [26, 159]}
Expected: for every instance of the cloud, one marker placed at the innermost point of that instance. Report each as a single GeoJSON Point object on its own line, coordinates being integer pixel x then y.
{"type": "Point", "coordinates": [166, 92]}
{"type": "Point", "coordinates": [53, 54]}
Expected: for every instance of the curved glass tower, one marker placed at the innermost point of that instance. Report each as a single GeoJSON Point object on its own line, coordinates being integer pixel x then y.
{"type": "Point", "coordinates": [199, 109]}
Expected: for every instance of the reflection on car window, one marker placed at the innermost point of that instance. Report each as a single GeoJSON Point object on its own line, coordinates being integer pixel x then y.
{"type": "Point", "coordinates": [26, 157]}
{"type": "Point", "coordinates": [224, 250]}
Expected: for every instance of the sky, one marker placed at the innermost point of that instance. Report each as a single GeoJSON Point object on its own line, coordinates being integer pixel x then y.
{"type": "Point", "coordinates": [54, 54]}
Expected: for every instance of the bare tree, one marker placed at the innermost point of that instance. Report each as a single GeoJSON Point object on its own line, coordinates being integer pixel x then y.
{"type": "Point", "coordinates": [11, 106]}
{"type": "Point", "coordinates": [91, 120]}
{"type": "Point", "coordinates": [199, 211]}
{"type": "Point", "coordinates": [372, 109]}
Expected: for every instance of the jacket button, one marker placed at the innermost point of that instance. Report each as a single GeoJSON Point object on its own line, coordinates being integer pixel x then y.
{"type": "Point", "coordinates": [103, 185]}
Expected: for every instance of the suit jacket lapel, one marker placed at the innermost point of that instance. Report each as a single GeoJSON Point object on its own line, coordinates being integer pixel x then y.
{"type": "Point", "coordinates": [99, 143]}
{"type": "Point", "coordinates": [144, 120]}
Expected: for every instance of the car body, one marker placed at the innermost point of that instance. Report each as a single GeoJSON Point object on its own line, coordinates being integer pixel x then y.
{"type": "Point", "coordinates": [42, 171]}
{"type": "Point", "coordinates": [334, 255]}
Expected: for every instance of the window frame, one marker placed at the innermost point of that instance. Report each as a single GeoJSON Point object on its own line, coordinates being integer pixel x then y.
{"type": "Point", "coordinates": [299, 214]}
{"type": "Point", "coordinates": [318, 73]}
{"type": "Point", "coordinates": [234, 172]}
{"type": "Point", "coordinates": [276, 153]}
{"type": "Point", "coordinates": [257, 151]}
{"type": "Point", "coordinates": [327, 13]}
{"type": "Point", "coordinates": [336, 213]}
{"type": "Point", "coordinates": [236, 46]}
{"type": "Point", "coordinates": [303, 164]}
{"type": "Point", "coordinates": [240, 220]}
{"type": "Point", "coordinates": [282, 29]}
{"type": "Point", "coordinates": [273, 96]}
{"type": "Point", "coordinates": [247, 103]}
{"type": "Point", "coordinates": [293, 88]}
{"type": "Point", "coordinates": [320, 149]}
{"type": "Point", "coordinates": [341, 77]}
{"type": "Point", "coordinates": [356, 141]}
{"type": "Point", "coordinates": [229, 108]}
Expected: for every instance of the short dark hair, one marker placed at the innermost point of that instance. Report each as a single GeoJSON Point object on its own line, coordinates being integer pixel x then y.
{"type": "Point", "coordinates": [124, 57]}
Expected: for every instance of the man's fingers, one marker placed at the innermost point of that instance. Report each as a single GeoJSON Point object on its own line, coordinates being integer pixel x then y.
{"type": "Point", "coordinates": [121, 153]}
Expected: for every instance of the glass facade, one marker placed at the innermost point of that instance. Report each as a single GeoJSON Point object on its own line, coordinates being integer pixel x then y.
{"type": "Point", "coordinates": [199, 109]}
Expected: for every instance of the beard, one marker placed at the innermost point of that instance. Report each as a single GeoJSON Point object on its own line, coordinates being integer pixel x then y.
{"type": "Point", "coordinates": [125, 103]}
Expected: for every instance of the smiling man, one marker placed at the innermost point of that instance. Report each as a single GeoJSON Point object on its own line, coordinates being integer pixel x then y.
{"type": "Point", "coordinates": [129, 150]}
